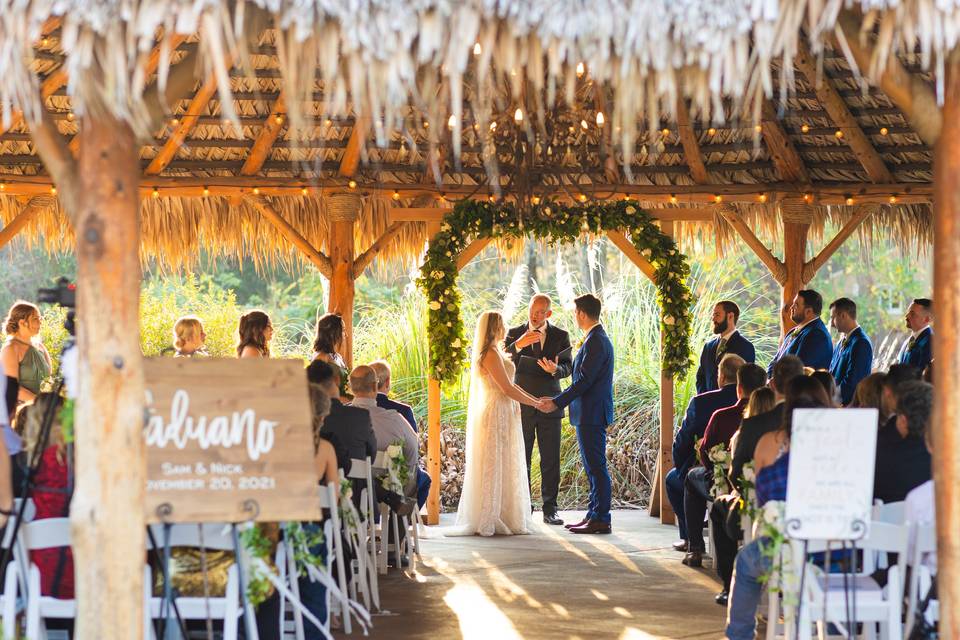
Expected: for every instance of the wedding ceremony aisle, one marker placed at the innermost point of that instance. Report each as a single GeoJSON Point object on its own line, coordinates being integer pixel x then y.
{"type": "Point", "coordinates": [629, 585]}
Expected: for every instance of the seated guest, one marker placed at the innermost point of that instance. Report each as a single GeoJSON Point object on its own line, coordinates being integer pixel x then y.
{"type": "Point", "coordinates": [389, 426]}
{"type": "Point", "coordinates": [383, 400]}
{"type": "Point", "coordinates": [699, 480]}
{"type": "Point", "coordinates": [853, 355]}
{"type": "Point", "coordinates": [189, 337]}
{"type": "Point", "coordinates": [869, 394]}
{"type": "Point", "coordinates": [809, 340]}
{"type": "Point", "coordinates": [829, 385]}
{"type": "Point", "coordinates": [699, 411]}
{"type": "Point", "coordinates": [772, 462]}
{"type": "Point", "coordinates": [350, 426]}
{"type": "Point", "coordinates": [754, 427]}
{"type": "Point", "coordinates": [50, 492]}
{"type": "Point", "coordinates": [903, 461]}
{"type": "Point", "coordinates": [920, 506]}
{"type": "Point", "coordinates": [328, 343]}
{"type": "Point", "coordinates": [728, 340]}
{"type": "Point", "coordinates": [918, 350]}
{"type": "Point", "coordinates": [255, 332]}
{"type": "Point", "coordinates": [896, 375]}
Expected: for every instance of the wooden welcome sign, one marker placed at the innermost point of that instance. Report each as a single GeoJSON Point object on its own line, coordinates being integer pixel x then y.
{"type": "Point", "coordinates": [229, 441]}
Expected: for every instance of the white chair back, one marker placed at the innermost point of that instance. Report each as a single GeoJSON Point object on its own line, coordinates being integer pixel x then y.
{"type": "Point", "coordinates": [212, 535]}
{"type": "Point", "coordinates": [49, 533]}
{"type": "Point", "coordinates": [923, 538]}
{"type": "Point", "coordinates": [890, 512]}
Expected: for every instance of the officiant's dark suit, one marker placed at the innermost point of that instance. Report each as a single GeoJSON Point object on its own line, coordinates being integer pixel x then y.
{"type": "Point", "coordinates": [539, 426]}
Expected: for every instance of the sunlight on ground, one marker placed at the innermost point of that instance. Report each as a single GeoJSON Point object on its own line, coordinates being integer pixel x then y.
{"type": "Point", "coordinates": [566, 545]}
{"type": "Point", "coordinates": [478, 616]}
{"type": "Point", "coordinates": [635, 634]}
{"type": "Point", "coordinates": [614, 552]}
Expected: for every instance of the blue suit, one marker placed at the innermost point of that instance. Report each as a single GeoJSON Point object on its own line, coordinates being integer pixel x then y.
{"type": "Point", "coordinates": [710, 361]}
{"type": "Point", "coordinates": [852, 362]}
{"type": "Point", "coordinates": [812, 344]}
{"type": "Point", "coordinates": [699, 412]}
{"type": "Point", "coordinates": [590, 398]}
{"type": "Point", "coordinates": [920, 353]}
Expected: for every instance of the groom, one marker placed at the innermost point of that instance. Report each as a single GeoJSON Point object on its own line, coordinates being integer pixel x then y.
{"type": "Point", "coordinates": [590, 397]}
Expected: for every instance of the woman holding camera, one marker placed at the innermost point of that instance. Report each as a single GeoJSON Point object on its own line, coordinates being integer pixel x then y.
{"type": "Point", "coordinates": [24, 357]}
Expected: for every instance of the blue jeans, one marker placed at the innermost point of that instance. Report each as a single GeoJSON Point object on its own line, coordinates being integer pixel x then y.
{"type": "Point", "coordinates": [675, 492]}
{"type": "Point", "coordinates": [746, 591]}
{"type": "Point", "coordinates": [593, 452]}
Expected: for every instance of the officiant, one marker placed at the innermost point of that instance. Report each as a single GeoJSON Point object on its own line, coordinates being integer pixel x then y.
{"type": "Point", "coordinates": [542, 355]}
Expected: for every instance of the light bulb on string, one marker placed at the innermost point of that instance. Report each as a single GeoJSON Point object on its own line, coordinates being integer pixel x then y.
{"type": "Point", "coordinates": [581, 69]}
{"type": "Point", "coordinates": [600, 119]}
{"type": "Point", "coordinates": [518, 115]}
{"type": "Point", "coordinates": [477, 49]}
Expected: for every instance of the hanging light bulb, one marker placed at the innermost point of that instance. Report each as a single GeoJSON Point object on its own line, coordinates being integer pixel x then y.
{"type": "Point", "coordinates": [452, 122]}
{"type": "Point", "coordinates": [303, 191]}
{"type": "Point", "coordinates": [849, 200]}
{"type": "Point", "coordinates": [477, 49]}
{"type": "Point", "coordinates": [493, 126]}
{"type": "Point", "coordinates": [396, 195]}
{"type": "Point", "coordinates": [584, 125]}
{"type": "Point", "coordinates": [206, 190]}
{"type": "Point", "coordinates": [581, 69]}
{"type": "Point", "coordinates": [535, 199]}
{"type": "Point", "coordinates": [156, 193]}
{"type": "Point", "coordinates": [838, 133]}
{"type": "Point", "coordinates": [352, 184]}
{"type": "Point", "coordinates": [53, 191]}
{"type": "Point", "coordinates": [718, 198]}
{"type": "Point", "coordinates": [762, 198]}
{"type": "Point", "coordinates": [278, 119]}
{"type": "Point", "coordinates": [673, 199]}
{"type": "Point", "coordinates": [884, 131]}
{"type": "Point", "coordinates": [711, 131]}
{"type": "Point", "coordinates": [808, 198]}
{"type": "Point", "coordinates": [665, 131]}
{"type": "Point", "coordinates": [256, 191]}
{"type": "Point", "coordinates": [893, 199]}
{"type": "Point", "coordinates": [583, 197]}
{"type": "Point", "coordinates": [804, 128]}
{"type": "Point", "coordinates": [600, 119]}
{"type": "Point", "coordinates": [518, 115]}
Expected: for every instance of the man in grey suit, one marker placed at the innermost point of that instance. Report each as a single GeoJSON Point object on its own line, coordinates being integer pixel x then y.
{"type": "Point", "coordinates": [542, 355]}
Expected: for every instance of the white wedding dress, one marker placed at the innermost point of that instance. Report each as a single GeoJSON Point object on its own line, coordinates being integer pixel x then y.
{"type": "Point", "coordinates": [496, 497]}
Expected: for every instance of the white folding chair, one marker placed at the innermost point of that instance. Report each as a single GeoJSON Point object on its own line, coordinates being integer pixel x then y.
{"type": "Point", "coordinates": [15, 582]}
{"type": "Point", "coordinates": [923, 544]}
{"type": "Point", "coordinates": [890, 512]}
{"type": "Point", "coordinates": [400, 549]}
{"type": "Point", "coordinates": [49, 533]}
{"type": "Point", "coordinates": [212, 537]}
{"type": "Point", "coordinates": [292, 624]}
{"type": "Point", "coordinates": [835, 598]}
{"type": "Point", "coordinates": [363, 470]}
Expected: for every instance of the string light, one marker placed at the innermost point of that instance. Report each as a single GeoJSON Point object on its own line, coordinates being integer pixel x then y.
{"type": "Point", "coordinates": [174, 122]}
{"type": "Point", "coordinates": [583, 197]}
{"type": "Point", "coordinates": [53, 191]}
{"type": "Point", "coordinates": [893, 199]}
{"type": "Point", "coordinates": [45, 41]}
{"type": "Point", "coordinates": [804, 128]}
{"type": "Point", "coordinates": [581, 69]}
{"type": "Point", "coordinates": [3, 186]}
{"type": "Point", "coordinates": [396, 195]}
{"type": "Point", "coordinates": [718, 198]}
{"type": "Point", "coordinates": [518, 115]}
{"type": "Point", "coordinates": [278, 119]}
{"type": "Point", "coordinates": [493, 198]}
{"type": "Point", "coordinates": [665, 131]}
{"type": "Point", "coordinates": [256, 191]}
{"type": "Point", "coordinates": [711, 131]}
{"type": "Point", "coordinates": [838, 133]}
{"type": "Point", "coordinates": [849, 200]}
{"type": "Point", "coordinates": [493, 126]}
{"type": "Point", "coordinates": [762, 198]}
{"type": "Point", "coordinates": [303, 191]}
{"type": "Point", "coordinates": [426, 125]}
{"type": "Point", "coordinates": [673, 199]}
{"type": "Point", "coordinates": [442, 196]}
{"type": "Point", "coordinates": [535, 199]}
{"type": "Point", "coordinates": [451, 121]}
{"type": "Point", "coordinates": [328, 122]}
{"type": "Point", "coordinates": [156, 193]}
{"type": "Point", "coordinates": [884, 131]}
{"type": "Point", "coordinates": [808, 198]}
{"type": "Point", "coordinates": [477, 49]}
{"type": "Point", "coordinates": [758, 128]}
{"type": "Point", "coordinates": [206, 190]}
{"type": "Point", "coordinates": [70, 116]}
{"type": "Point", "coordinates": [352, 184]}
{"type": "Point", "coordinates": [600, 119]}
{"type": "Point", "coordinates": [583, 125]}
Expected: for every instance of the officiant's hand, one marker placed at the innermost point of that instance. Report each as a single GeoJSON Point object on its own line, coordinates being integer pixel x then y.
{"type": "Point", "coordinates": [527, 339]}
{"type": "Point", "coordinates": [550, 366]}
{"type": "Point", "coordinates": [546, 405]}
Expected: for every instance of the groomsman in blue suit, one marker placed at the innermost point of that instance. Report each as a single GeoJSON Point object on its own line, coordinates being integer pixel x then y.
{"type": "Point", "coordinates": [590, 398]}
{"type": "Point", "coordinates": [918, 352]}
{"type": "Point", "coordinates": [853, 355]}
{"type": "Point", "coordinates": [810, 339]}
{"type": "Point", "coordinates": [728, 340]}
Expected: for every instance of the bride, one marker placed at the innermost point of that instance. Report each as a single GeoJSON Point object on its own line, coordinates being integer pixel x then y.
{"type": "Point", "coordinates": [496, 495]}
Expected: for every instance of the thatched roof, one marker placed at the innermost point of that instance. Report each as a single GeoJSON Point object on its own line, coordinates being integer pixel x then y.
{"type": "Point", "coordinates": [416, 104]}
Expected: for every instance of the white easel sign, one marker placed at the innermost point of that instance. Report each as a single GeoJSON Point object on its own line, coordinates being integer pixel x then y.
{"type": "Point", "coordinates": [830, 481]}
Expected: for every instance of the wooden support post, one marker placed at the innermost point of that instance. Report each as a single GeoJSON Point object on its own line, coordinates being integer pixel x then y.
{"type": "Point", "coordinates": [471, 251]}
{"type": "Point", "coordinates": [433, 450]}
{"type": "Point", "coordinates": [344, 209]}
{"type": "Point", "coordinates": [796, 224]}
{"type": "Point", "coordinates": [106, 513]}
{"type": "Point", "coordinates": [665, 458]}
{"type": "Point", "coordinates": [946, 345]}
{"type": "Point", "coordinates": [29, 212]}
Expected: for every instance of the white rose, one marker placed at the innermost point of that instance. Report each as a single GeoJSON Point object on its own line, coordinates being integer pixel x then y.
{"type": "Point", "coordinates": [646, 253]}
{"type": "Point", "coordinates": [435, 305]}
{"type": "Point", "coordinates": [631, 209]}
{"type": "Point", "coordinates": [748, 474]}
{"type": "Point", "coordinates": [669, 320]}
{"type": "Point", "coordinates": [456, 343]}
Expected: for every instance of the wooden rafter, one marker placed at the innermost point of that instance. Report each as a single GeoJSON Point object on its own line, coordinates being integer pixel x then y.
{"type": "Point", "coordinates": [623, 243]}
{"type": "Point", "coordinates": [185, 125]}
{"type": "Point", "coordinates": [813, 265]}
{"type": "Point", "coordinates": [471, 251]}
{"type": "Point", "coordinates": [839, 113]}
{"type": "Point", "coordinates": [784, 155]}
{"type": "Point", "coordinates": [50, 85]}
{"type": "Point", "coordinates": [909, 92]}
{"type": "Point", "coordinates": [361, 262]}
{"type": "Point", "coordinates": [25, 216]}
{"type": "Point", "coordinates": [691, 146]}
{"type": "Point", "coordinates": [774, 265]}
{"type": "Point", "coordinates": [350, 160]}
{"type": "Point", "coordinates": [436, 214]}
{"type": "Point", "coordinates": [319, 260]}
{"type": "Point", "coordinates": [268, 135]}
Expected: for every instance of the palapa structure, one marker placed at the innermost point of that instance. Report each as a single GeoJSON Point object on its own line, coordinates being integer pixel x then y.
{"type": "Point", "coordinates": [333, 133]}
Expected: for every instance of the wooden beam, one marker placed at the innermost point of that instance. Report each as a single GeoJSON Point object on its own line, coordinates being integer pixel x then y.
{"type": "Point", "coordinates": [945, 421]}
{"type": "Point", "coordinates": [812, 266]}
{"type": "Point", "coordinates": [471, 251]}
{"type": "Point", "coordinates": [59, 163]}
{"type": "Point", "coordinates": [794, 250]}
{"type": "Point", "coordinates": [343, 211]}
{"type": "Point", "coordinates": [623, 243]}
{"type": "Point", "coordinates": [912, 95]}
{"type": "Point", "coordinates": [785, 158]}
{"type": "Point", "coordinates": [665, 456]}
{"type": "Point", "coordinates": [320, 261]}
{"type": "Point", "coordinates": [351, 155]}
{"type": "Point", "coordinates": [433, 449]}
{"type": "Point", "coordinates": [268, 135]}
{"type": "Point", "coordinates": [26, 215]}
{"type": "Point", "coordinates": [691, 146]}
{"type": "Point", "coordinates": [186, 123]}
{"type": "Point", "coordinates": [775, 266]}
{"type": "Point", "coordinates": [364, 259]}
{"type": "Point", "coordinates": [436, 214]}
{"type": "Point", "coordinates": [839, 113]}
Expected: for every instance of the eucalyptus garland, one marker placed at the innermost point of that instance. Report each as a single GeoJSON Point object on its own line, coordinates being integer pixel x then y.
{"type": "Point", "coordinates": [557, 224]}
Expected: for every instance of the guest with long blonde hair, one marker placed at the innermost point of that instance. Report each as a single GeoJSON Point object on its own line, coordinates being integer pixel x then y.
{"type": "Point", "coordinates": [189, 337]}
{"type": "Point", "coordinates": [255, 332]}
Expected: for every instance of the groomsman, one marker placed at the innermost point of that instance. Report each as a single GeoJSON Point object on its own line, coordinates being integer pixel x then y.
{"type": "Point", "coordinates": [726, 314]}
{"type": "Point", "coordinates": [542, 355]}
{"type": "Point", "coordinates": [853, 355]}
{"type": "Point", "coordinates": [809, 340]}
{"type": "Point", "coordinates": [918, 352]}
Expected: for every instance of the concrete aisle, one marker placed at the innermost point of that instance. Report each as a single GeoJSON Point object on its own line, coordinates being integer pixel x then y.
{"type": "Point", "coordinates": [627, 586]}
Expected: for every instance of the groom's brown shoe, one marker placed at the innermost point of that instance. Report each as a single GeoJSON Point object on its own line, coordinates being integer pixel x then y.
{"type": "Point", "coordinates": [593, 526]}
{"type": "Point", "coordinates": [577, 524]}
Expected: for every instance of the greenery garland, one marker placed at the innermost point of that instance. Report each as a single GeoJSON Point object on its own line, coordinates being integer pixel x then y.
{"type": "Point", "coordinates": [557, 224]}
